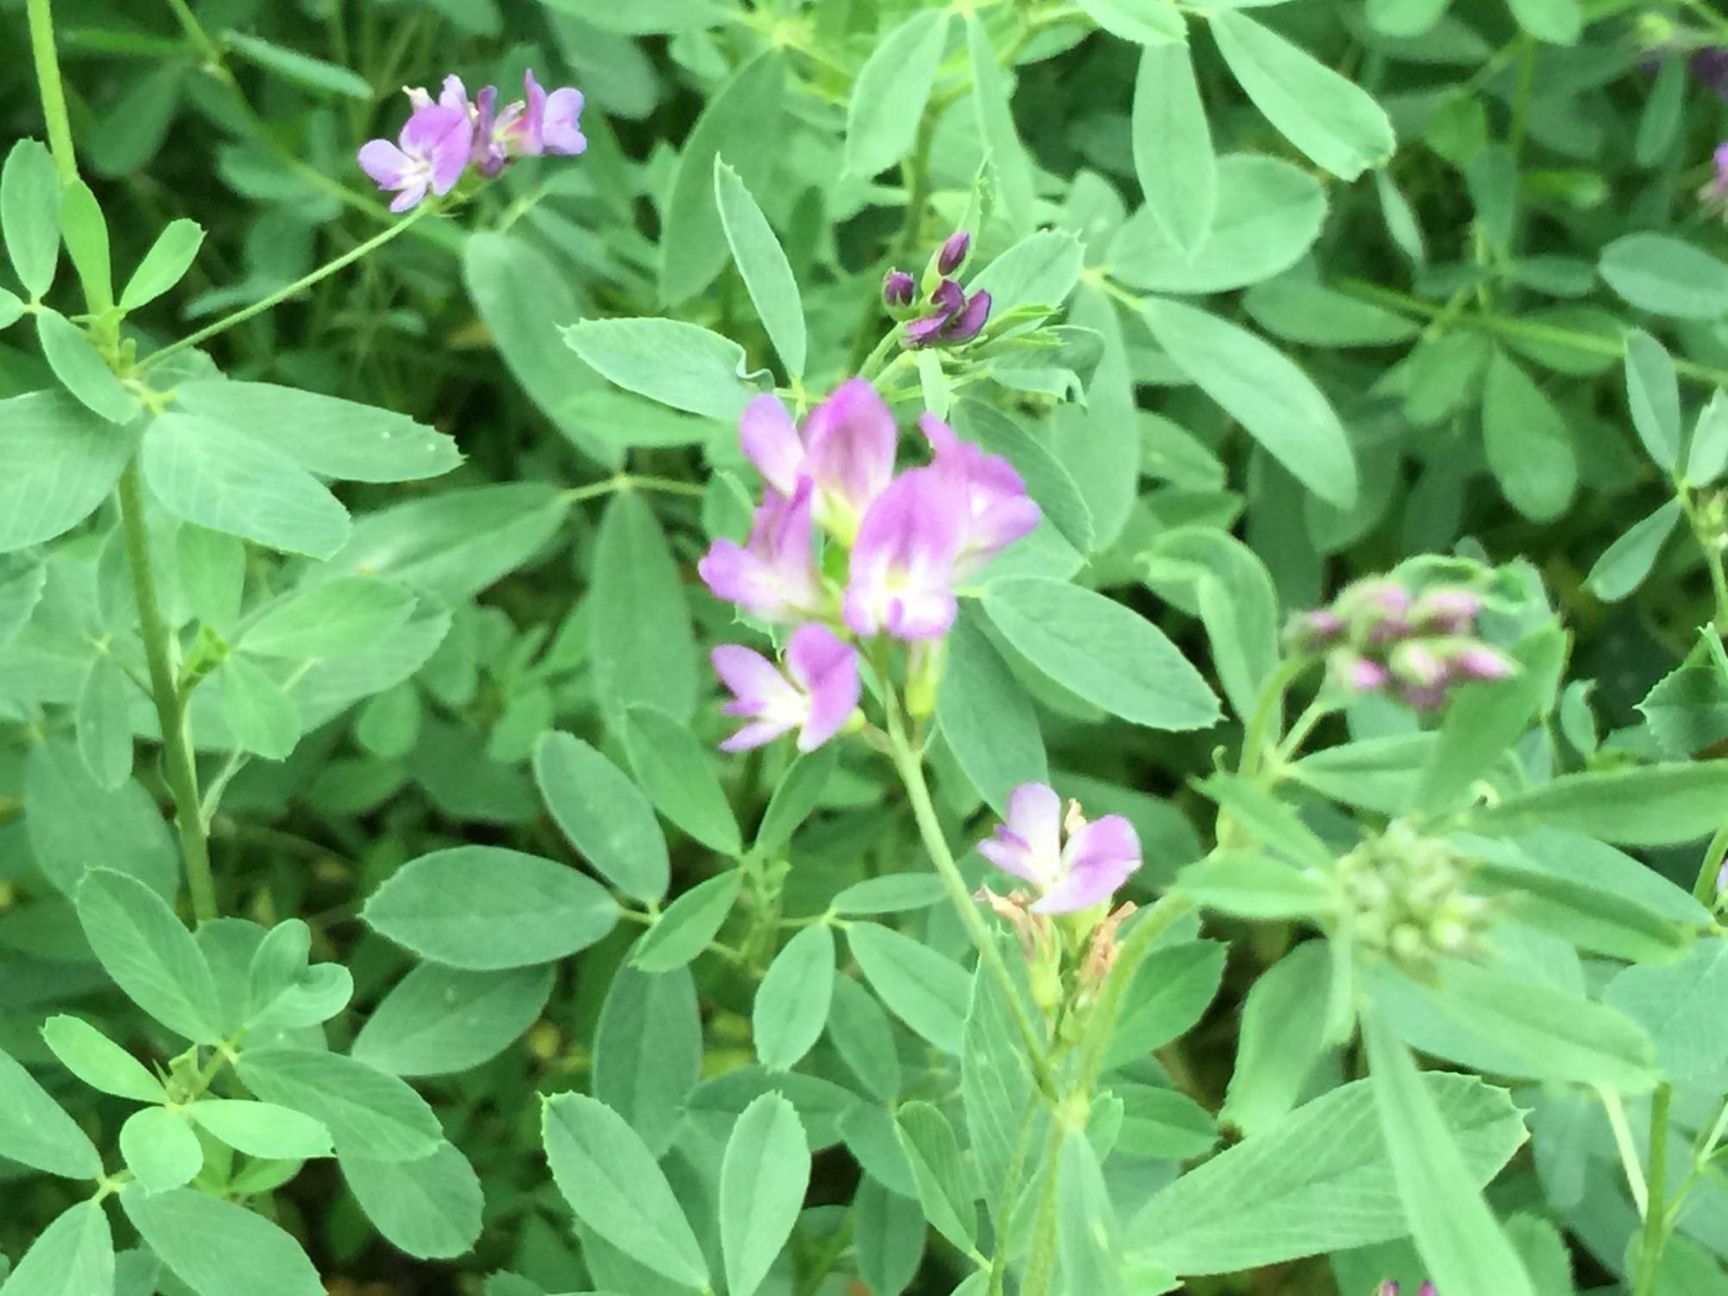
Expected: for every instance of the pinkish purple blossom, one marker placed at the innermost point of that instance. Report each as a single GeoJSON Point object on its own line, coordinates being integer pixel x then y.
{"type": "Point", "coordinates": [902, 572]}
{"type": "Point", "coordinates": [996, 509]}
{"type": "Point", "coordinates": [953, 319]}
{"type": "Point", "coordinates": [773, 574]}
{"type": "Point", "coordinates": [846, 450]}
{"type": "Point", "coordinates": [1083, 871]}
{"type": "Point", "coordinates": [816, 695]}
{"type": "Point", "coordinates": [429, 155]}
{"type": "Point", "coordinates": [551, 123]}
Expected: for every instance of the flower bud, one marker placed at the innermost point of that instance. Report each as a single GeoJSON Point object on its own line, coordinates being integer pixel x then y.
{"type": "Point", "coordinates": [1479, 662]}
{"type": "Point", "coordinates": [898, 290]}
{"type": "Point", "coordinates": [1427, 1289]}
{"type": "Point", "coordinates": [970, 321]}
{"type": "Point", "coordinates": [1416, 664]}
{"type": "Point", "coordinates": [1387, 1288]}
{"type": "Point", "coordinates": [953, 254]}
{"type": "Point", "coordinates": [1317, 629]}
{"type": "Point", "coordinates": [1446, 611]}
{"type": "Point", "coordinates": [1359, 674]}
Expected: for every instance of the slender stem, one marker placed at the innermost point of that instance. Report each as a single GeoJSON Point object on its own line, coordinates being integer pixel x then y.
{"type": "Point", "coordinates": [1655, 1214]}
{"type": "Point", "coordinates": [911, 769]}
{"type": "Point", "coordinates": [1704, 889]}
{"type": "Point", "coordinates": [1710, 544]}
{"type": "Point", "coordinates": [181, 772]}
{"type": "Point", "coordinates": [53, 92]}
{"type": "Point", "coordinates": [1616, 1112]}
{"type": "Point", "coordinates": [282, 294]}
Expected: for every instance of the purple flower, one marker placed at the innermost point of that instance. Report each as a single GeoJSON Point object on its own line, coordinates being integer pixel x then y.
{"type": "Point", "coordinates": [551, 123]}
{"type": "Point", "coordinates": [431, 152]}
{"type": "Point", "coordinates": [816, 695]}
{"type": "Point", "coordinates": [773, 574]}
{"type": "Point", "coordinates": [898, 289]}
{"type": "Point", "coordinates": [846, 450]}
{"type": "Point", "coordinates": [1097, 858]}
{"type": "Point", "coordinates": [956, 318]}
{"type": "Point", "coordinates": [902, 572]}
{"type": "Point", "coordinates": [997, 510]}
{"type": "Point", "coordinates": [953, 254]}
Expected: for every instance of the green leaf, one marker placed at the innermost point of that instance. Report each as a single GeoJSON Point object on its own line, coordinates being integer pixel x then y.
{"type": "Point", "coordinates": [1494, 1022]}
{"type": "Point", "coordinates": [1276, 403]}
{"type": "Point", "coordinates": [920, 987]}
{"type": "Point", "coordinates": [368, 1113]}
{"type": "Point", "coordinates": [430, 1208]}
{"type": "Point", "coordinates": [1161, 1124]}
{"type": "Point", "coordinates": [1268, 213]}
{"type": "Point", "coordinates": [206, 1242]}
{"type": "Point", "coordinates": [206, 472]}
{"type": "Point", "coordinates": [1558, 22]}
{"type": "Point", "coordinates": [1249, 885]}
{"type": "Point", "coordinates": [339, 439]}
{"type": "Point", "coordinates": [1007, 155]}
{"type": "Point", "coordinates": [1707, 454]}
{"type": "Point", "coordinates": [1171, 991]}
{"type": "Point", "coordinates": [1040, 270]}
{"type": "Point", "coordinates": [1653, 393]}
{"type": "Point", "coordinates": [1337, 124]}
{"type": "Point", "coordinates": [1086, 1222]}
{"type": "Point", "coordinates": [763, 1179]}
{"type": "Point", "coordinates": [84, 230]}
{"type": "Point", "coordinates": [346, 615]}
{"type": "Point", "coordinates": [1625, 565]}
{"type": "Point", "coordinates": [164, 265]}
{"type": "Point", "coordinates": [1665, 276]}
{"type": "Point", "coordinates": [1438, 1180]}
{"type": "Point", "coordinates": [302, 69]}
{"type": "Point", "coordinates": [985, 716]}
{"type": "Point", "coordinates": [1687, 711]}
{"type": "Point", "coordinates": [1530, 450]}
{"type": "Point", "coordinates": [73, 1256]}
{"type": "Point", "coordinates": [890, 893]}
{"type": "Point", "coordinates": [762, 262]}
{"type": "Point", "coordinates": [1101, 651]}
{"type": "Point", "coordinates": [261, 1129]}
{"type": "Point", "coordinates": [887, 1237]}
{"type": "Point", "coordinates": [1150, 22]}
{"type": "Point", "coordinates": [439, 1020]}
{"type": "Point", "coordinates": [30, 214]}
{"type": "Point", "coordinates": [643, 646]}
{"type": "Point", "coordinates": [648, 1051]}
{"type": "Point", "coordinates": [612, 1183]}
{"type": "Point", "coordinates": [141, 944]}
{"type": "Point", "coordinates": [791, 1006]}
{"type": "Point", "coordinates": [688, 924]}
{"type": "Point", "coordinates": [1588, 911]}
{"type": "Point", "coordinates": [1173, 155]}
{"type": "Point", "coordinates": [485, 907]}
{"type": "Point", "coordinates": [98, 1061]}
{"type": "Point", "coordinates": [1653, 805]}
{"type": "Point", "coordinates": [677, 771]}
{"type": "Point", "coordinates": [1237, 602]}
{"type": "Point", "coordinates": [603, 815]}
{"type": "Point", "coordinates": [864, 1038]}
{"type": "Point", "coordinates": [104, 723]}
{"type": "Point", "coordinates": [160, 1149]}
{"type": "Point", "coordinates": [800, 789]}
{"type": "Point", "coordinates": [11, 308]}
{"type": "Point", "coordinates": [740, 115]}
{"type": "Point", "coordinates": [81, 369]}
{"type": "Point", "coordinates": [73, 821]}
{"type": "Point", "coordinates": [261, 715]}
{"type": "Point", "coordinates": [36, 1132]}
{"type": "Point", "coordinates": [682, 365]}
{"type": "Point", "coordinates": [1323, 1179]}
{"type": "Point", "coordinates": [945, 1184]}
{"type": "Point", "coordinates": [1677, 1005]}
{"type": "Point", "coordinates": [58, 461]}
{"type": "Point", "coordinates": [891, 91]}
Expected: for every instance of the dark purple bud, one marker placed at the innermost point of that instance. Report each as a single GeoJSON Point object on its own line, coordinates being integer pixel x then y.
{"type": "Point", "coordinates": [970, 321]}
{"type": "Point", "coordinates": [898, 289]}
{"type": "Point", "coordinates": [922, 332]}
{"type": "Point", "coordinates": [948, 299]}
{"type": "Point", "coordinates": [953, 254]}
{"type": "Point", "coordinates": [1446, 611]}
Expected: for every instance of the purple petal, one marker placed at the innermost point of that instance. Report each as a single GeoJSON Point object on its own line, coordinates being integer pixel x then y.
{"type": "Point", "coordinates": [916, 615]}
{"type": "Point", "coordinates": [559, 129]}
{"type": "Point", "coordinates": [902, 568]}
{"type": "Point", "coordinates": [771, 442]}
{"type": "Point", "coordinates": [1097, 860]}
{"type": "Point", "coordinates": [385, 163]}
{"type": "Point", "coordinates": [735, 575]}
{"type": "Point", "coordinates": [925, 330]}
{"type": "Point", "coordinates": [1035, 816]}
{"type": "Point", "coordinates": [1010, 853]}
{"type": "Point", "coordinates": [898, 288]}
{"type": "Point", "coordinates": [756, 735]}
{"type": "Point", "coordinates": [826, 667]}
{"type": "Point", "coordinates": [949, 299]}
{"type": "Point", "coordinates": [997, 509]}
{"type": "Point", "coordinates": [953, 254]}
{"type": "Point", "coordinates": [454, 95]}
{"type": "Point", "coordinates": [754, 680]}
{"type": "Point", "coordinates": [969, 322]}
{"type": "Point", "coordinates": [409, 197]}
{"type": "Point", "coordinates": [531, 138]}
{"type": "Point", "coordinates": [852, 437]}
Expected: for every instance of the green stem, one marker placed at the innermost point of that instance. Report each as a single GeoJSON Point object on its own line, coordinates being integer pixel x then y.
{"type": "Point", "coordinates": [282, 294]}
{"type": "Point", "coordinates": [1709, 543]}
{"type": "Point", "coordinates": [1616, 1113]}
{"type": "Point", "coordinates": [1041, 1265]}
{"type": "Point", "coordinates": [181, 771]}
{"type": "Point", "coordinates": [1655, 1212]}
{"type": "Point", "coordinates": [911, 770]}
{"type": "Point", "coordinates": [53, 92]}
{"type": "Point", "coordinates": [1704, 889]}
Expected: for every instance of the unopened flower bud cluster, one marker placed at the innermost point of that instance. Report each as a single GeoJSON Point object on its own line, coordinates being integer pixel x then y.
{"type": "Point", "coordinates": [951, 316]}
{"type": "Point", "coordinates": [1380, 638]}
{"type": "Point", "coordinates": [1407, 899]}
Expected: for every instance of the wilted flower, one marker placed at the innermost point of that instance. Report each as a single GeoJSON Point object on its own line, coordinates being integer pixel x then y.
{"type": "Point", "coordinates": [430, 154]}
{"type": "Point", "coordinates": [953, 319]}
{"type": "Point", "coordinates": [816, 695]}
{"type": "Point", "coordinates": [1086, 870]}
{"type": "Point", "coordinates": [773, 574]}
{"type": "Point", "coordinates": [846, 451]}
{"type": "Point", "coordinates": [953, 253]}
{"type": "Point", "coordinates": [898, 289]}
